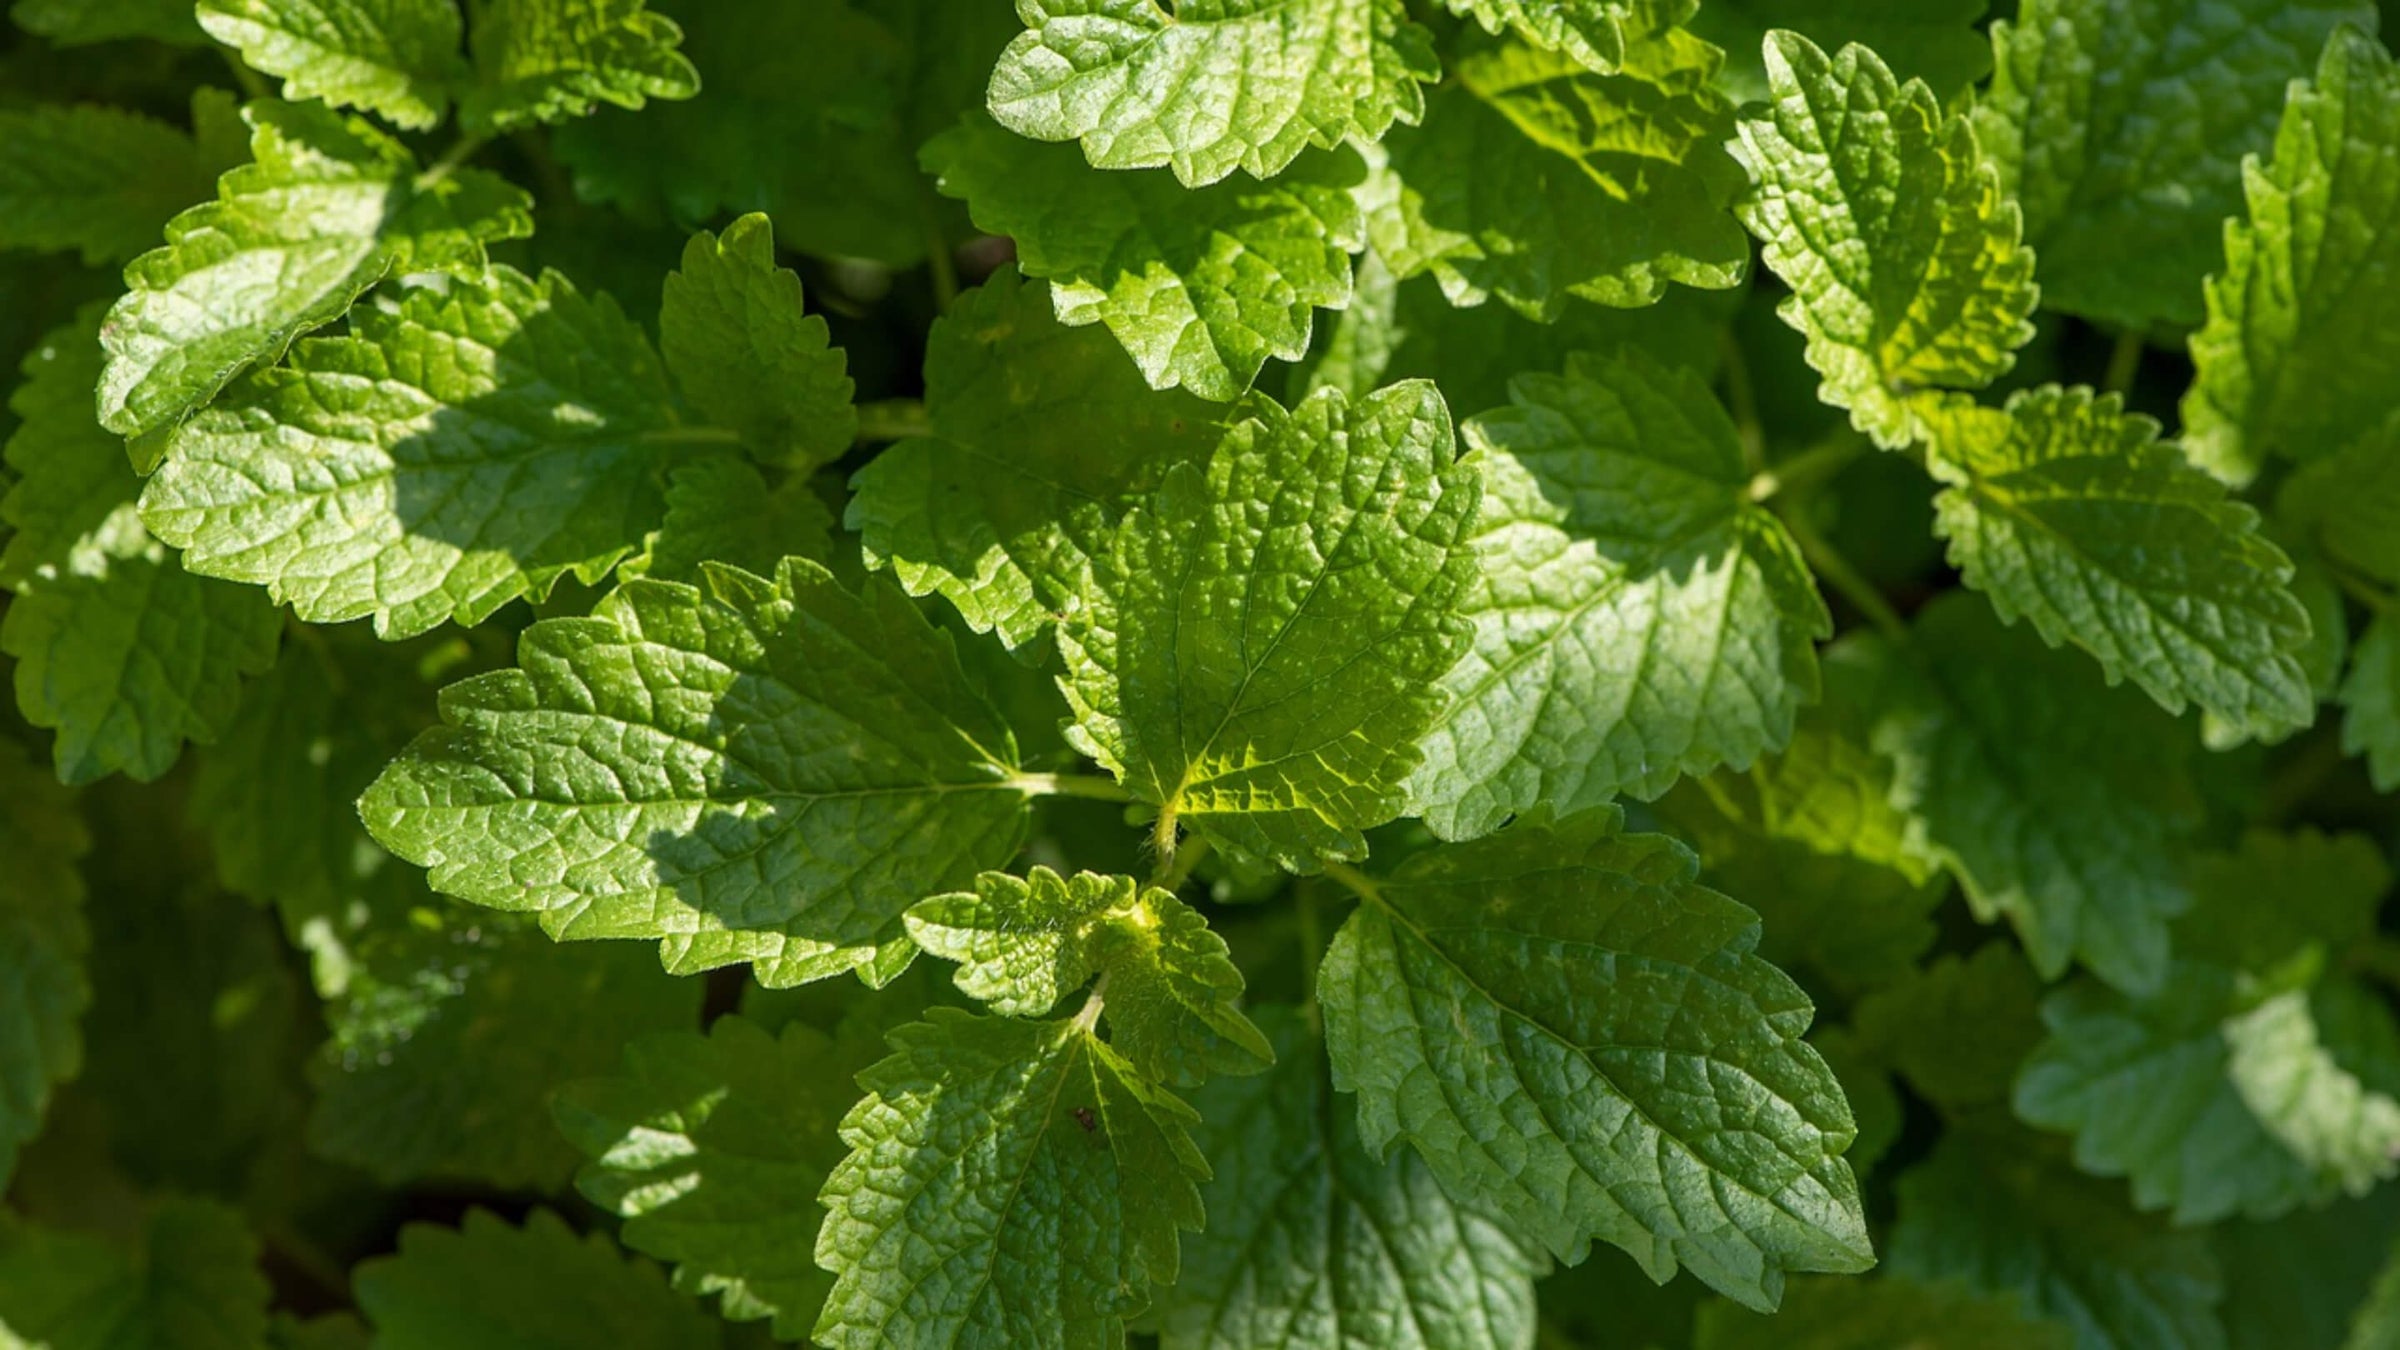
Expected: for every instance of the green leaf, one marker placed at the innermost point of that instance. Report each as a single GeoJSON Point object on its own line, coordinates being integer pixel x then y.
{"type": "Point", "coordinates": [1009, 1183]}
{"type": "Point", "coordinates": [721, 509]}
{"type": "Point", "coordinates": [73, 23]}
{"type": "Point", "coordinates": [2327, 891]}
{"type": "Point", "coordinates": [1890, 227]}
{"type": "Point", "coordinates": [471, 444]}
{"type": "Point", "coordinates": [734, 333]}
{"type": "Point", "coordinates": [1211, 85]}
{"type": "Point", "coordinates": [712, 1149]}
{"type": "Point", "coordinates": [398, 59]}
{"type": "Point", "coordinates": [118, 648]}
{"type": "Point", "coordinates": [2121, 130]}
{"type": "Point", "coordinates": [330, 207]}
{"type": "Point", "coordinates": [2067, 511]}
{"type": "Point", "coordinates": [2371, 703]}
{"type": "Point", "coordinates": [2069, 834]}
{"type": "Point", "coordinates": [742, 770]}
{"type": "Point", "coordinates": [1877, 1314]}
{"type": "Point", "coordinates": [43, 945]}
{"type": "Point", "coordinates": [2348, 503]}
{"type": "Point", "coordinates": [1311, 1241]}
{"type": "Point", "coordinates": [2212, 1105]}
{"type": "Point", "coordinates": [96, 180]}
{"type": "Point", "coordinates": [1594, 32]}
{"type": "Point", "coordinates": [2378, 1319]}
{"type": "Point", "coordinates": [2293, 1284]}
{"type": "Point", "coordinates": [1038, 430]}
{"type": "Point", "coordinates": [1200, 287]}
{"type": "Point", "coordinates": [1931, 40]}
{"type": "Point", "coordinates": [555, 60]}
{"type": "Point", "coordinates": [2294, 358]}
{"type": "Point", "coordinates": [186, 1280]}
{"type": "Point", "coordinates": [1637, 615]}
{"type": "Point", "coordinates": [1568, 1028]}
{"type": "Point", "coordinates": [1957, 1030]}
{"type": "Point", "coordinates": [1535, 180]}
{"type": "Point", "coordinates": [487, 1286]}
{"type": "Point", "coordinates": [1259, 648]}
{"type": "Point", "coordinates": [2000, 1219]}
{"type": "Point", "coordinates": [1173, 991]}
{"type": "Point", "coordinates": [452, 1034]}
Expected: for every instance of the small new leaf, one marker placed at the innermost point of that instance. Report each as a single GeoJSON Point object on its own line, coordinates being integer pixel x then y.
{"type": "Point", "coordinates": [1567, 1027]}
{"type": "Point", "coordinates": [733, 331]}
{"type": "Point", "coordinates": [1009, 1182]}
{"type": "Point", "coordinates": [1260, 646]}
{"type": "Point", "coordinates": [1890, 227]}
{"type": "Point", "coordinates": [330, 207]}
{"type": "Point", "coordinates": [1209, 86]}
{"type": "Point", "coordinates": [742, 770]}
{"type": "Point", "coordinates": [1024, 944]}
{"type": "Point", "coordinates": [2067, 511]}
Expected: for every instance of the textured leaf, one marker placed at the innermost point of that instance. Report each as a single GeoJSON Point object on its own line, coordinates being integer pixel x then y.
{"type": "Point", "coordinates": [743, 771]}
{"type": "Point", "coordinates": [396, 58]}
{"type": "Point", "coordinates": [721, 509]}
{"type": "Point", "coordinates": [747, 356]}
{"type": "Point", "coordinates": [1879, 1314]}
{"type": "Point", "coordinates": [2295, 358]}
{"type": "Point", "coordinates": [1313, 1244]}
{"type": "Point", "coordinates": [487, 1286]}
{"type": "Point", "coordinates": [472, 444]}
{"type": "Point", "coordinates": [2348, 503]}
{"type": "Point", "coordinates": [2120, 127]}
{"type": "Point", "coordinates": [2004, 1222]}
{"type": "Point", "coordinates": [187, 1280]}
{"type": "Point", "coordinates": [1637, 616]}
{"type": "Point", "coordinates": [1890, 227]}
{"type": "Point", "coordinates": [2371, 703]}
{"type": "Point", "coordinates": [712, 1149]}
{"type": "Point", "coordinates": [446, 1046]}
{"type": "Point", "coordinates": [1210, 86]}
{"type": "Point", "coordinates": [1594, 32]}
{"type": "Point", "coordinates": [2069, 834]}
{"type": "Point", "coordinates": [1957, 1030]}
{"type": "Point", "coordinates": [1038, 430]}
{"type": "Point", "coordinates": [1579, 1039]}
{"type": "Point", "coordinates": [72, 23]}
{"type": "Point", "coordinates": [1535, 180]}
{"type": "Point", "coordinates": [43, 944]}
{"type": "Point", "coordinates": [1931, 40]}
{"type": "Point", "coordinates": [1173, 991]}
{"type": "Point", "coordinates": [1009, 1183]}
{"type": "Point", "coordinates": [118, 648]}
{"type": "Point", "coordinates": [99, 181]}
{"type": "Point", "coordinates": [553, 60]}
{"type": "Point", "coordinates": [2067, 512]}
{"type": "Point", "coordinates": [329, 208]}
{"type": "Point", "coordinates": [1258, 649]}
{"type": "Point", "coordinates": [1200, 287]}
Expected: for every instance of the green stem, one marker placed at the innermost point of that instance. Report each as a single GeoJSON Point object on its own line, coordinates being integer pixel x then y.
{"type": "Point", "coordinates": [1091, 787]}
{"type": "Point", "coordinates": [457, 155]}
{"type": "Point", "coordinates": [939, 259]}
{"type": "Point", "coordinates": [1312, 955]}
{"type": "Point", "coordinates": [893, 419]}
{"type": "Point", "coordinates": [1809, 469]}
{"type": "Point", "coordinates": [1088, 1016]}
{"type": "Point", "coordinates": [2298, 778]}
{"type": "Point", "coordinates": [1176, 870]}
{"type": "Point", "coordinates": [253, 84]}
{"type": "Point", "coordinates": [1363, 886]}
{"type": "Point", "coordinates": [2375, 598]}
{"type": "Point", "coordinates": [2125, 361]}
{"type": "Point", "coordinates": [692, 436]}
{"type": "Point", "coordinates": [1741, 396]}
{"type": "Point", "coordinates": [1836, 570]}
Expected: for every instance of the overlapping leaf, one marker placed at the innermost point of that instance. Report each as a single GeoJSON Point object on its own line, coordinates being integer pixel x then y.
{"type": "Point", "coordinates": [2067, 511]}
{"type": "Point", "coordinates": [1581, 1042]}
{"type": "Point", "coordinates": [43, 943]}
{"type": "Point", "coordinates": [733, 331]}
{"type": "Point", "coordinates": [2371, 703]}
{"type": "Point", "coordinates": [1957, 1030]}
{"type": "Point", "coordinates": [720, 508]}
{"type": "Point", "coordinates": [1889, 225]}
{"type": "Point", "coordinates": [75, 22]}
{"type": "Point", "coordinates": [1059, 1176]}
{"type": "Point", "coordinates": [1535, 180]}
{"type": "Point", "coordinates": [1038, 430]}
{"type": "Point", "coordinates": [1258, 647]}
{"type": "Point", "coordinates": [488, 1286]}
{"type": "Point", "coordinates": [1826, 1314]}
{"type": "Point", "coordinates": [473, 443]}
{"type": "Point", "coordinates": [1637, 616]}
{"type": "Point", "coordinates": [1594, 32]}
{"type": "Point", "coordinates": [1023, 944]}
{"type": "Point", "coordinates": [553, 60]}
{"type": "Point", "coordinates": [743, 770]}
{"type": "Point", "coordinates": [399, 59]}
{"type": "Point", "coordinates": [1202, 286]}
{"type": "Point", "coordinates": [186, 1279]}
{"type": "Point", "coordinates": [96, 180]}
{"type": "Point", "coordinates": [1931, 40]}
{"type": "Point", "coordinates": [1210, 86]}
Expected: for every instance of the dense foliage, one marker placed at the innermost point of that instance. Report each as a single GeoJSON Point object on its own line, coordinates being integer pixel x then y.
{"type": "Point", "coordinates": [1398, 674]}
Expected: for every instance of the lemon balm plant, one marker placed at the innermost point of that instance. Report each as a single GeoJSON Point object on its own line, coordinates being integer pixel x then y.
{"type": "Point", "coordinates": [1437, 673]}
